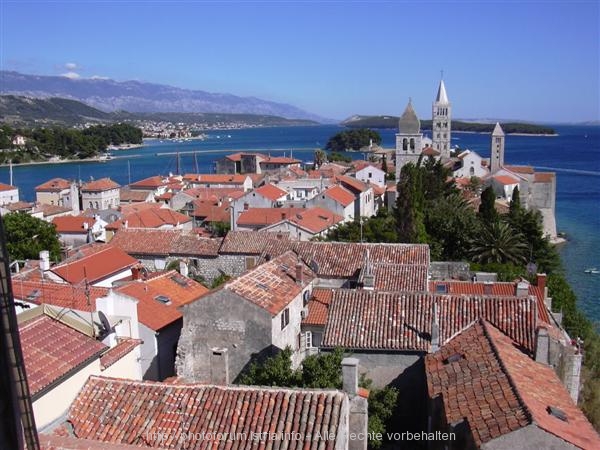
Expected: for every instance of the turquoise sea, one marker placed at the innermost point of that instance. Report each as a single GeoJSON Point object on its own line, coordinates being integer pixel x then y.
{"type": "Point", "coordinates": [574, 155]}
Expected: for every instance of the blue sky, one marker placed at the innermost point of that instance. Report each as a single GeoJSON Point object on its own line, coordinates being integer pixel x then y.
{"type": "Point", "coordinates": [536, 60]}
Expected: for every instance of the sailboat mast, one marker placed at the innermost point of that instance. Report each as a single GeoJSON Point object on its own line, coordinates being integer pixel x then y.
{"type": "Point", "coordinates": [128, 172]}
{"type": "Point", "coordinates": [11, 172]}
{"type": "Point", "coordinates": [196, 162]}
{"type": "Point", "coordinates": [177, 170]}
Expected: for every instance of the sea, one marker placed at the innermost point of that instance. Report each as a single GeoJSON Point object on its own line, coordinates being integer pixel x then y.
{"type": "Point", "coordinates": [574, 154]}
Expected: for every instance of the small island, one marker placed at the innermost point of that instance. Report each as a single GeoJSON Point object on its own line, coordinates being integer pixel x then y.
{"type": "Point", "coordinates": [384, 122]}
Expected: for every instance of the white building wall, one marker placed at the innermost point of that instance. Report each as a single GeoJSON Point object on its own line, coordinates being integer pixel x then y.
{"type": "Point", "coordinates": [101, 199]}
{"type": "Point", "coordinates": [108, 282]}
{"type": "Point", "coordinates": [9, 196]}
{"type": "Point", "coordinates": [371, 174]}
{"type": "Point", "coordinates": [325, 202]}
{"type": "Point", "coordinates": [471, 166]}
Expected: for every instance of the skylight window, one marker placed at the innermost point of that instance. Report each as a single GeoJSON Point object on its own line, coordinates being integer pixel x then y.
{"type": "Point", "coordinates": [557, 412]}
{"type": "Point", "coordinates": [163, 299]}
{"type": "Point", "coordinates": [441, 289]}
{"type": "Point", "coordinates": [179, 281]}
{"type": "Point", "coordinates": [453, 358]}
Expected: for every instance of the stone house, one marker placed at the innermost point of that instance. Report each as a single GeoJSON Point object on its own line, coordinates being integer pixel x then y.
{"type": "Point", "coordinates": [469, 164]}
{"type": "Point", "coordinates": [266, 196]}
{"type": "Point", "coordinates": [74, 231]}
{"type": "Point", "coordinates": [240, 182]}
{"type": "Point", "coordinates": [364, 203]}
{"type": "Point", "coordinates": [242, 163]}
{"type": "Point", "coordinates": [371, 175]}
{"type": "Point", "coordinates": [306, 224]}
{"type": "Point", "coordinates": [336, 199]}
{"type": "Point", "coordinates": [251, 317]}
{"type": "Point", "coordinates": [59, 192]}
{"type": "Point", "coordinates": [100, 194]}
{"type": "Point", "coordinates": [302, 189]}
{"type": "Point", "coordinates": [8, 194]}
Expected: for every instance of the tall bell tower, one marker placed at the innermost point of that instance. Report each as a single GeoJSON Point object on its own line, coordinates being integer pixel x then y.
{"type": "Point", "coordinates": [441, 122]}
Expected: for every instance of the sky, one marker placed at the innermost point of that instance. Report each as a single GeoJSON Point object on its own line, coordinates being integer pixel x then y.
{"type": "Point", "coordinates": [527, 60]}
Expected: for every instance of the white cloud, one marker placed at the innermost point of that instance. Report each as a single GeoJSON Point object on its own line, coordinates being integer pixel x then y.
{"type": "Point", "coordinates": [71, 66]}
{"type": "Point", "coordinates": [99, 77]}
{"type": "Point", "coordinates": [71, 75]}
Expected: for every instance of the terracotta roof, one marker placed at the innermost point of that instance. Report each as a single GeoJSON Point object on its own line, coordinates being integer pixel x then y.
{"type": "Point", "coordinates": [103, 184]}
{"type": "Point", "coordinates": [177, 289]}
{"type": "Point", "coordinates": [149, 183]}
{"type": "Point", "coordinates": [54, 185]}
{"type": "Point", "coordinates": [272, 285]}
{"type": "Point", "coordinates": [216, 178]}
{"type": "Point", "coordinates": [128, 195]}
{"type": "Point", "coordinates": [400, 277]}
{"type": "Point", "coordinates": [73, 224]}
{"type": "Point", "coordinates": [238, 156]}
{"type": "Point", "coordinates": [212, 210]}
{"type": "Point", "coordinates": [150, 218]}
{"type": "Point", "coordinates": [499, 389]}
{"type": "Point", "coordinates": [125, 411]}
{"type": "Point", "coordinates": [52, 350]}
{"type": "Point", "coordinates": [360, 319]}
{"type": "Point", "coordinates": [67, 442]}
{"type": "Point", "coordinates": [521, 169]}
{"type": "Point", "coordinates": [50, 210]}
{"type": "Point", "coordinates": [280, 160]}
{"type": "Point", "coordinates": [505, 179]}
{"type": "Point", "coordinates": [210, 193]}
{"type": "Point", "coordinates": [96, 267]}
{"type": "Point", "coordinates": [261, 217]}
{"type": "Point", "coordinates": [271, 192]}
{"type": "Point", "coordinates": [136, 207]}
{"type": "Point", "coordinates": [544, 177]}
{"type": "Point", "coordinates": [7, 187]}
{"type": "Point", "coordinates": [340, 195]}
{"type": "Point", "coordinates": [315, 219]}
{"type": "Point", "coordinates": [378, 190]}
{"type": "Point", "coordinates": [508, 289]}
{"type": "Point", "coordinates": [116, 353]}
{"type": "Point", "coordinates": [19, 206]}
{"type": "Point", "coordinates": [251, 243]}
{"type": "Point", "coordinates": [164, 242]}
{"type": "Point", "coordinates": [57, 294]}
{"type": "Point", "coordinates": [352, 183]}
{"type": "Point", "coordinates": [429, 151]}
{"type": "Point", "coordinates": [318, 307]}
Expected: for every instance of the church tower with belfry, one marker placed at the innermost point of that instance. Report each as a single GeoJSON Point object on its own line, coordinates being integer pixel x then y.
{"type": "Point", "coordinates": [441, 122]}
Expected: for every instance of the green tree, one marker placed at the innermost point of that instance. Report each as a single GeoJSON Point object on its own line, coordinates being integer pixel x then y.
{"type": "Point", "coordinates": [353, 139]}
{"type": "Point", "coordinates": [320, 158]}
{"type": "Point", "coordinates": [496, 242]}
{"type": "Point", "coordinates": [380, 228]}
{"type": "Point", "coordinates": [274, 371]}
{"type": "Point", "coordinates": [515, 202]}
{"type": "Point", "coordinates": [26, 236]}
{"type": "Point", "coordinates": [409, 206]}
{"type": "Point", "coordinates": [323, 371]}
{"type": "Point", "coordinates": [487, 208]}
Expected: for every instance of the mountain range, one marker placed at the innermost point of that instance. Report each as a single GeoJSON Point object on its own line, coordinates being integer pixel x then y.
{"type": "Point", "coordinates": [137, 96]}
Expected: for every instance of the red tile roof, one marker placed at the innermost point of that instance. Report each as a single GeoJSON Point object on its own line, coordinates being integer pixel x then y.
{"type": "Point", "coordinates": [178, 289]}
{"type": "Point", "coordinates": [495, 289]}
{"type": "Point", "coordinates": [7, 187]}
{"type": "Point", "coordinates": [164, 242]}
{"type": "Point", "coordinates": [123, 347]}
{"type": "Point", "coordinates": [54, 185]}
{"type": "Point", "coordinates": [360, 319]}
{"type": "Point", "coordinates": [429, 151]}
{"type": "Point", "coordinates": [261, 217]}
{"type": "Point", "coordinates": [352, 183]}
{"type": "Point", "coordinates": [52, 350]}
{"type": "Point", "coordinates": [212, 210]}
{"type": "Point", "coordinates": [150, 218]}
{"type": "Point", "coordinates": [149, 183]}
{"type": "Point", "coordinates": [315, 219]}
{"type": "Point", "coordinates": [215, 178]}
{"type": "Point", "coordinates": [521, 169]}
{"type": "Point", "coordinates": [57, 294]}
{"type": "Point", "coordinates": [19, 206]}
{"type": "Point", "coordinates": [124, 411]}
{"type": "Point", "coordinates": [544, 177]}
{"type": "Point", "coordinates": [499, 389]}
{"type": "Point", "coordinates": [127, 195]}
{"type": "Point", "coordinates": [318, 307]}
{"type": "Point", "coordinates": [103, 184]}
{"type": "Point", "coordinates": [505, 179]}
{"type": "Point", "coordinates": [280, 160]}
{"type": "Point", "coordinates": [73, 224]}
{"type": "Point", "coordinates": [271, 192]}
{"type": "Point", "coordinates": [210, 193]}
{"type": "Point", "coordinates": [238, 156]}
{"type": "Point", "coordinates": [252, 243]}
{"type": "Point", "coordinates": [272, 285]}
{"type": "Point", "coordinates": [400, 277]}
{"type": "Point", "coordinates": [95, 267]}
{"type": "Point", "coordinates": [50, 210]}
{"type": "Point", "coordinates": [340, 195]}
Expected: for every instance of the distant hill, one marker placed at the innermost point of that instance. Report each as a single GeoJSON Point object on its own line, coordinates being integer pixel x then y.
{"type": "Point", "coordinates": [457, 125]}
{"type": "Point", "coordinates": [137, 96]}
{"type": "Point", "coordinates": [26, 111]}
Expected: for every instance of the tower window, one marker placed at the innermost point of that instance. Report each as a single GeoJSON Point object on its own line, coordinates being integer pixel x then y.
{"type": "Point", "coordinates": [412, 144]}
{"type": "Point", "coordinates": [404, 144]}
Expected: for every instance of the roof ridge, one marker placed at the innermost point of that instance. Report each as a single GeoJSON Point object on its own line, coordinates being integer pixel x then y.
{"type": "Point", "coordinates": [485, 324]}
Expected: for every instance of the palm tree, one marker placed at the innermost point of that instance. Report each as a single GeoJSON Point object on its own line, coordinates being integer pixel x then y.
{"type": "Point", "coordinates": [498, 243]}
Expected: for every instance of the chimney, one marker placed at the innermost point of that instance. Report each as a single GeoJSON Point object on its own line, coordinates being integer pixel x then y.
{"type": "Point", "coordinates": [435, 330]}
{"type": "Point", "coordinates": [299, 273]}
{"type": "Point", "coordinates": [367, 276]}
{"type": "Point", "coordinates": [522, 289]}
{"type": "Point", "coordinates": [183, 268]}
{"type": "Point", "coordinates": [126, 223]}
{"type": "Point", "coordinates": [85, 226]}
{"type": "Point", "coordinates": [219, 366]}
{"type": "Point", "coordinates": [135, 273]}
{"type": "Point", "coordinates": [541, 283]}
{"type": "Point", "coordinates": [542, 345]}
{"type": "Point", "coordinates": [44, 260]}
{"type": "Point", "coordinates": [358, 417]}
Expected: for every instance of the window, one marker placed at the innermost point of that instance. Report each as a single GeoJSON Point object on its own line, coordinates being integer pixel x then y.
{"type": "Point", "coordinates": [472, 171]}
{"type": "Point", "coordinates": [370, 175]}
{"type": "Point", "coordinates": [404, 144]}
{"type": "Point", "coordinates": [285, 318]}
{"type": "Point", "coordinates": [412, 144]}
{"type": "Point", "coordinates": [308, 338]}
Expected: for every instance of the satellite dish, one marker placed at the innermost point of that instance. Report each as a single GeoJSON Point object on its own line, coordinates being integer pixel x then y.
{"type": "Point", "coordinates": [106, 328]}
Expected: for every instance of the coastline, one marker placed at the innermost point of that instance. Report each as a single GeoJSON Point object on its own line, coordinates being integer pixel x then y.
{"type": "Point", "coordinates": [62, 161]}
{"type": "Point", "coordinates": [508, 134]}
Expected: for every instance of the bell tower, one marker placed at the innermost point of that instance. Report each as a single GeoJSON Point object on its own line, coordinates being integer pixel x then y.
{"type": "Point", "coordinates": [441, 122]}
{"type": "Point", "coordinates": [497, 149]}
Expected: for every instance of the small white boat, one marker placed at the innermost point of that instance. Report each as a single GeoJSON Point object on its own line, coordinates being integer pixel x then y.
{"type": "Point", "coordinates": [592, 270]}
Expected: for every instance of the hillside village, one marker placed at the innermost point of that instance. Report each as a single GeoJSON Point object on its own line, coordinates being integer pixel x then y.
{"type": "Point", "coordinates": [168, 289]}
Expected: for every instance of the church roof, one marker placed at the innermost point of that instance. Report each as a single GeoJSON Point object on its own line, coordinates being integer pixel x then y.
{"type": "Point", "coordinates": [442, 97]}
{"type": "Point", "coordinates": [409, 123]}
{"type": "Point", "coordinates": [498, 130]}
